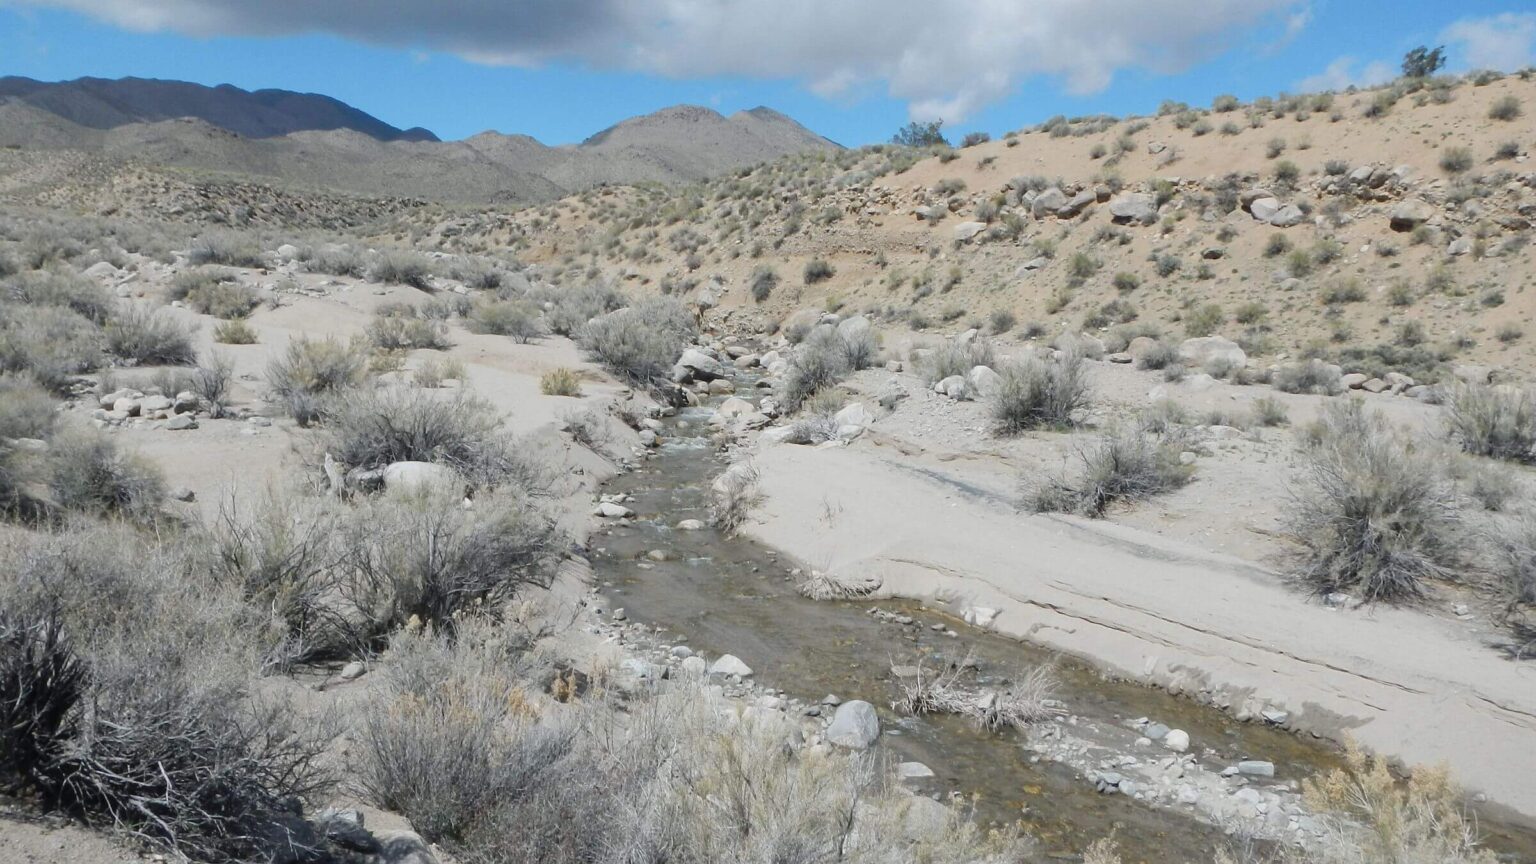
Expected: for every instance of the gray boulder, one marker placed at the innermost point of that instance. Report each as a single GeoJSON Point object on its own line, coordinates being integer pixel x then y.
{"type": "Point", "coordinates": [855, 725]}
{"type": "Point", "coordinates": [1411, 213]}
{"type": "Point", "coordinates": [1133, 208]}
{"type": "Point", "coordinates": [1264, 209]}
{"type": "Point", "coordinates": [701, 366]}
{"type": "Point", "coordinates": [1048, 202]}
{"type": "Point", "coordinates": [967, 231]}
{"type": "Point", "coordinates": [1204, 349]}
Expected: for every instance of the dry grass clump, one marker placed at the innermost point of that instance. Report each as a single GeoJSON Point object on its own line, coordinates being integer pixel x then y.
{"type": "Point", "coordinates": [234, 332]}
{"type": "Point", "coordinates": [1030, 699]}
{"type": "Point", "coordinates": [147, 336]}
{"type": "Point", "coordinates": [518, 319]}
{"type": "Point", "coordinates": [1498, 422]}
{"type": "Point", "coordinates": [677, 778]}
{"type": "Point", "coordinates": [312, 370]}
{"type": "Point", "coordinates": [640, 343]}
{"type": "Point", "coordinates": [732, 495]}
{"type": "Point", "coordinates": [829, 586]}
{"type": "Point", "coordinates": [560, 382]}
{"type": "Point", "coordinates": [1128, 465]}
{"type": "Point", "coordinates": [402, 327]}
{"type": "Point", "coordinates": [1368, 513]}
{"type": "Point", "coordinates": [434, 371]}
{"type": "Point", "coordinates": [1034, 393]}
{"type": "Point", "coordinates": [1371, 817]}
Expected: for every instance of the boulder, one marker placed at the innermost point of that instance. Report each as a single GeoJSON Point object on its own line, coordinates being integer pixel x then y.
{"type": "Point", "coordinates": [610, 510]}
{"type": "Point", "coordinates": [1076, 203]}
{"type": "Point", "coordinates": [181, 422]}
{"type": "Point", "coordinates": [1248, 196]}
{"type": "Point", "coordinates": [983, 380]}
{"type": "Point", "coordinates": [1140, 346]}
{"type": "Point", "coordinates": [966, 231]}
{"type": "Point", "coordinates": [1205, 349]}
{"type": "Point", "coordinates": [854, 414]}
{"type": "Point", "coordinates": [1353, 381]}
{"type": "Point", "coordinates": [1264, 209]}
{"type": "Point", "coordinates": [730, 664]}
{"type": "Point", "coordinates": [1048, 202]}
{"type": "Point", "coordinates": [854, 725]}
{"type": "Point", "coordinates": [954, 387]}
{"type": "Point", "coordinates": [1375, 385]}
{"type": "Point", "coordinates": [1411, 213]}
{"type": "Point", "coordinates": [735, 407]}
{"type": "Point", "coordinates": [853, 327]}
{"type": "Point", "coordinates": [1176, 740]}
{"type": "Point", "coordinates": [416, 476]}
{"type": "Point", "coordinates": [1133, 208]}
{"type": "Point", "coordinates": [701, 366]}
{"type": "Point", "coordinates": [690, 525]}
{"type": "Point", "coordinates": [1287, 216]}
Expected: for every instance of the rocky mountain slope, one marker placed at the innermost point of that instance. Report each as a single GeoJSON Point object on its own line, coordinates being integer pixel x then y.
{"type": "Point", "coordinates": [247, 136]}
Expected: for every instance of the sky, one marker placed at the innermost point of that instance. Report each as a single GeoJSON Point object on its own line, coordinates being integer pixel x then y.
{"type": "Point", "coordinates": [852, 70]}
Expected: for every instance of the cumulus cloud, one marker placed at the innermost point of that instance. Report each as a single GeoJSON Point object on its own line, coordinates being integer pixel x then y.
{"type": "Point", "coordinates": [1505, 42]}
{"type": "Point", "coordinates": [1342, 74]}
{"type": "Point", "coordinates": [944, 58]}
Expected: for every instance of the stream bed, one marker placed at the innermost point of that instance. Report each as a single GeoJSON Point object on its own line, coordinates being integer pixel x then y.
{"type": "Point", "coordinates": [726, 594]}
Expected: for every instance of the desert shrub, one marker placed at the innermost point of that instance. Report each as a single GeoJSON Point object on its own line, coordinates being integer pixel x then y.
{"type": "Point", "coordinates": [370, 428]}
{"type": "Point", "coordinates": [148, 336]}
{"type": "Point", "coordinates": [476, 273]}
{"type": "Point", "coordinates": [560, 382]}
{"type": "Point", "coordinates": [210, 381]}
{"type": "Point", "coordinates": [45, 244]}
{"type": "Point", "coordinates": [445, 306]}
{"type": "Point", "coordinates": [1159, 356]}
{"type": "Point", "coordinates": [955, 357]}
{"type": "Point", "coordinates": [48, 288]}
{"type": "Point", "coordinates": [310, 371]}
{"type": "Point", "coordinates": [422, 555]}
{"type": "Point", "coordinates": [819, 362]}
{"type": "Point", "coordinates": [518, 319]}
{"type": "Point", "coordinates": [1203, 320]}
{"type": "Point", "coordinates": [1455, 160]}
{"type": "Point", "coordinates": [762, 282]}
{"type": "Point", "coordinates": [1125, 466]}
{"type": "Point", "coordinates": [1269, 411]}
{"type": "Point", "coordinates": [572, 309]}
{"type": "Point", "coordinates": [196, 279]}
{"type": "Point", "coordinates": [1000, 321]}
{"type": "Point", "coordinates": [399, 327]}
{"type": "Point", "coordinates": [52, 344]}
{"type": "Point", "coordinates": [1034, 393]}
{"type": "Point", "coordinates": [1126, 282]}
{"type": "Point", "coordinates": [818, 270]}
{"type": "Point", "coordinates": [26, 408]}
{"type": "Point", "coordinates": [1310, 376]}
{"type": "Point", "coordinates": [227, 300]}
{"type": "Point", "coordinates": [1368, 513]}
{"type": "Point", "coordinates": [226, 248]}
{"type": "Point", "coordinates": [135, 717]}
{"type": "Point", "coordinates": [396, 267]}
{"type": "Point", "coordinates": [640, 343]}
{"type": "Point", "coordinates": [337, 261]}
{"type": "Point", "coordinates": [673, 777]}
{"type": "Point", "coordinates": [91, 475]}
{"type": "Point", "coordinates": [1497, 422]}
{"type": "Point", "coordinates": [432, 371]}
{"type": "Point", "coordinates": [234, 332]}
{"type": "Point", "coordinates": [1504, 108]}
{"type": "Point", "coordinates": [1343, 291]}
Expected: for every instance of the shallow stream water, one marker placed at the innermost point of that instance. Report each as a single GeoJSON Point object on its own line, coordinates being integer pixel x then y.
{"type": "Point", "coordinates": [724, 594]}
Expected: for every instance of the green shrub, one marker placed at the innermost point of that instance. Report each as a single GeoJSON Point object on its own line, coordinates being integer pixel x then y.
{"type": "Point", "coordinates": [1204, 320]}
{"type": "Point", "coordinates": [1455, 160]}
{"type": "Point", "coordinates": [1504, 108]}
{"type": "Point", "coordinates": [818, 270]}
{"type": "Point", "coordinates": [560, 382]}
{"type": "Point", "coordinates": [1125, 282]}
{"type": "Point", "coordinates": [235, 332]}
{"type": "Point", "coordinates": [395, 267]}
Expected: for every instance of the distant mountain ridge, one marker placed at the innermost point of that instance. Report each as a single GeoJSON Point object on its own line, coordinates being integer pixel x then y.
{"type": "Point", "coordinates": [319, 141]}
{"type": "Point", "coordinates": [102, 103]}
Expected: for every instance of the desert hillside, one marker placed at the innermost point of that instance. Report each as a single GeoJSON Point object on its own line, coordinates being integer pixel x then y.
{"type": "Point", "coordinates": [1134, 489]}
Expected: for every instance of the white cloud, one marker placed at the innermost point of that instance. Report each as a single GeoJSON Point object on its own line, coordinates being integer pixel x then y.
{"type": "Point", "coordinates": [1505, 42]}
{"type": "Point", "coordinates": [945, 58]}
{"type": "Point", "coordinates": [1342, 74]}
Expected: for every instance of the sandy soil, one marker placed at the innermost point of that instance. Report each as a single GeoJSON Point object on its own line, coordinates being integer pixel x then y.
{"type": "Point", "coordinates": [1179, 593]}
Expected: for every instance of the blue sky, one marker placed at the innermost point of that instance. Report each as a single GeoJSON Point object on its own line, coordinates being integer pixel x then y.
{"type": "Point", "coordinates": [852, 70]}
